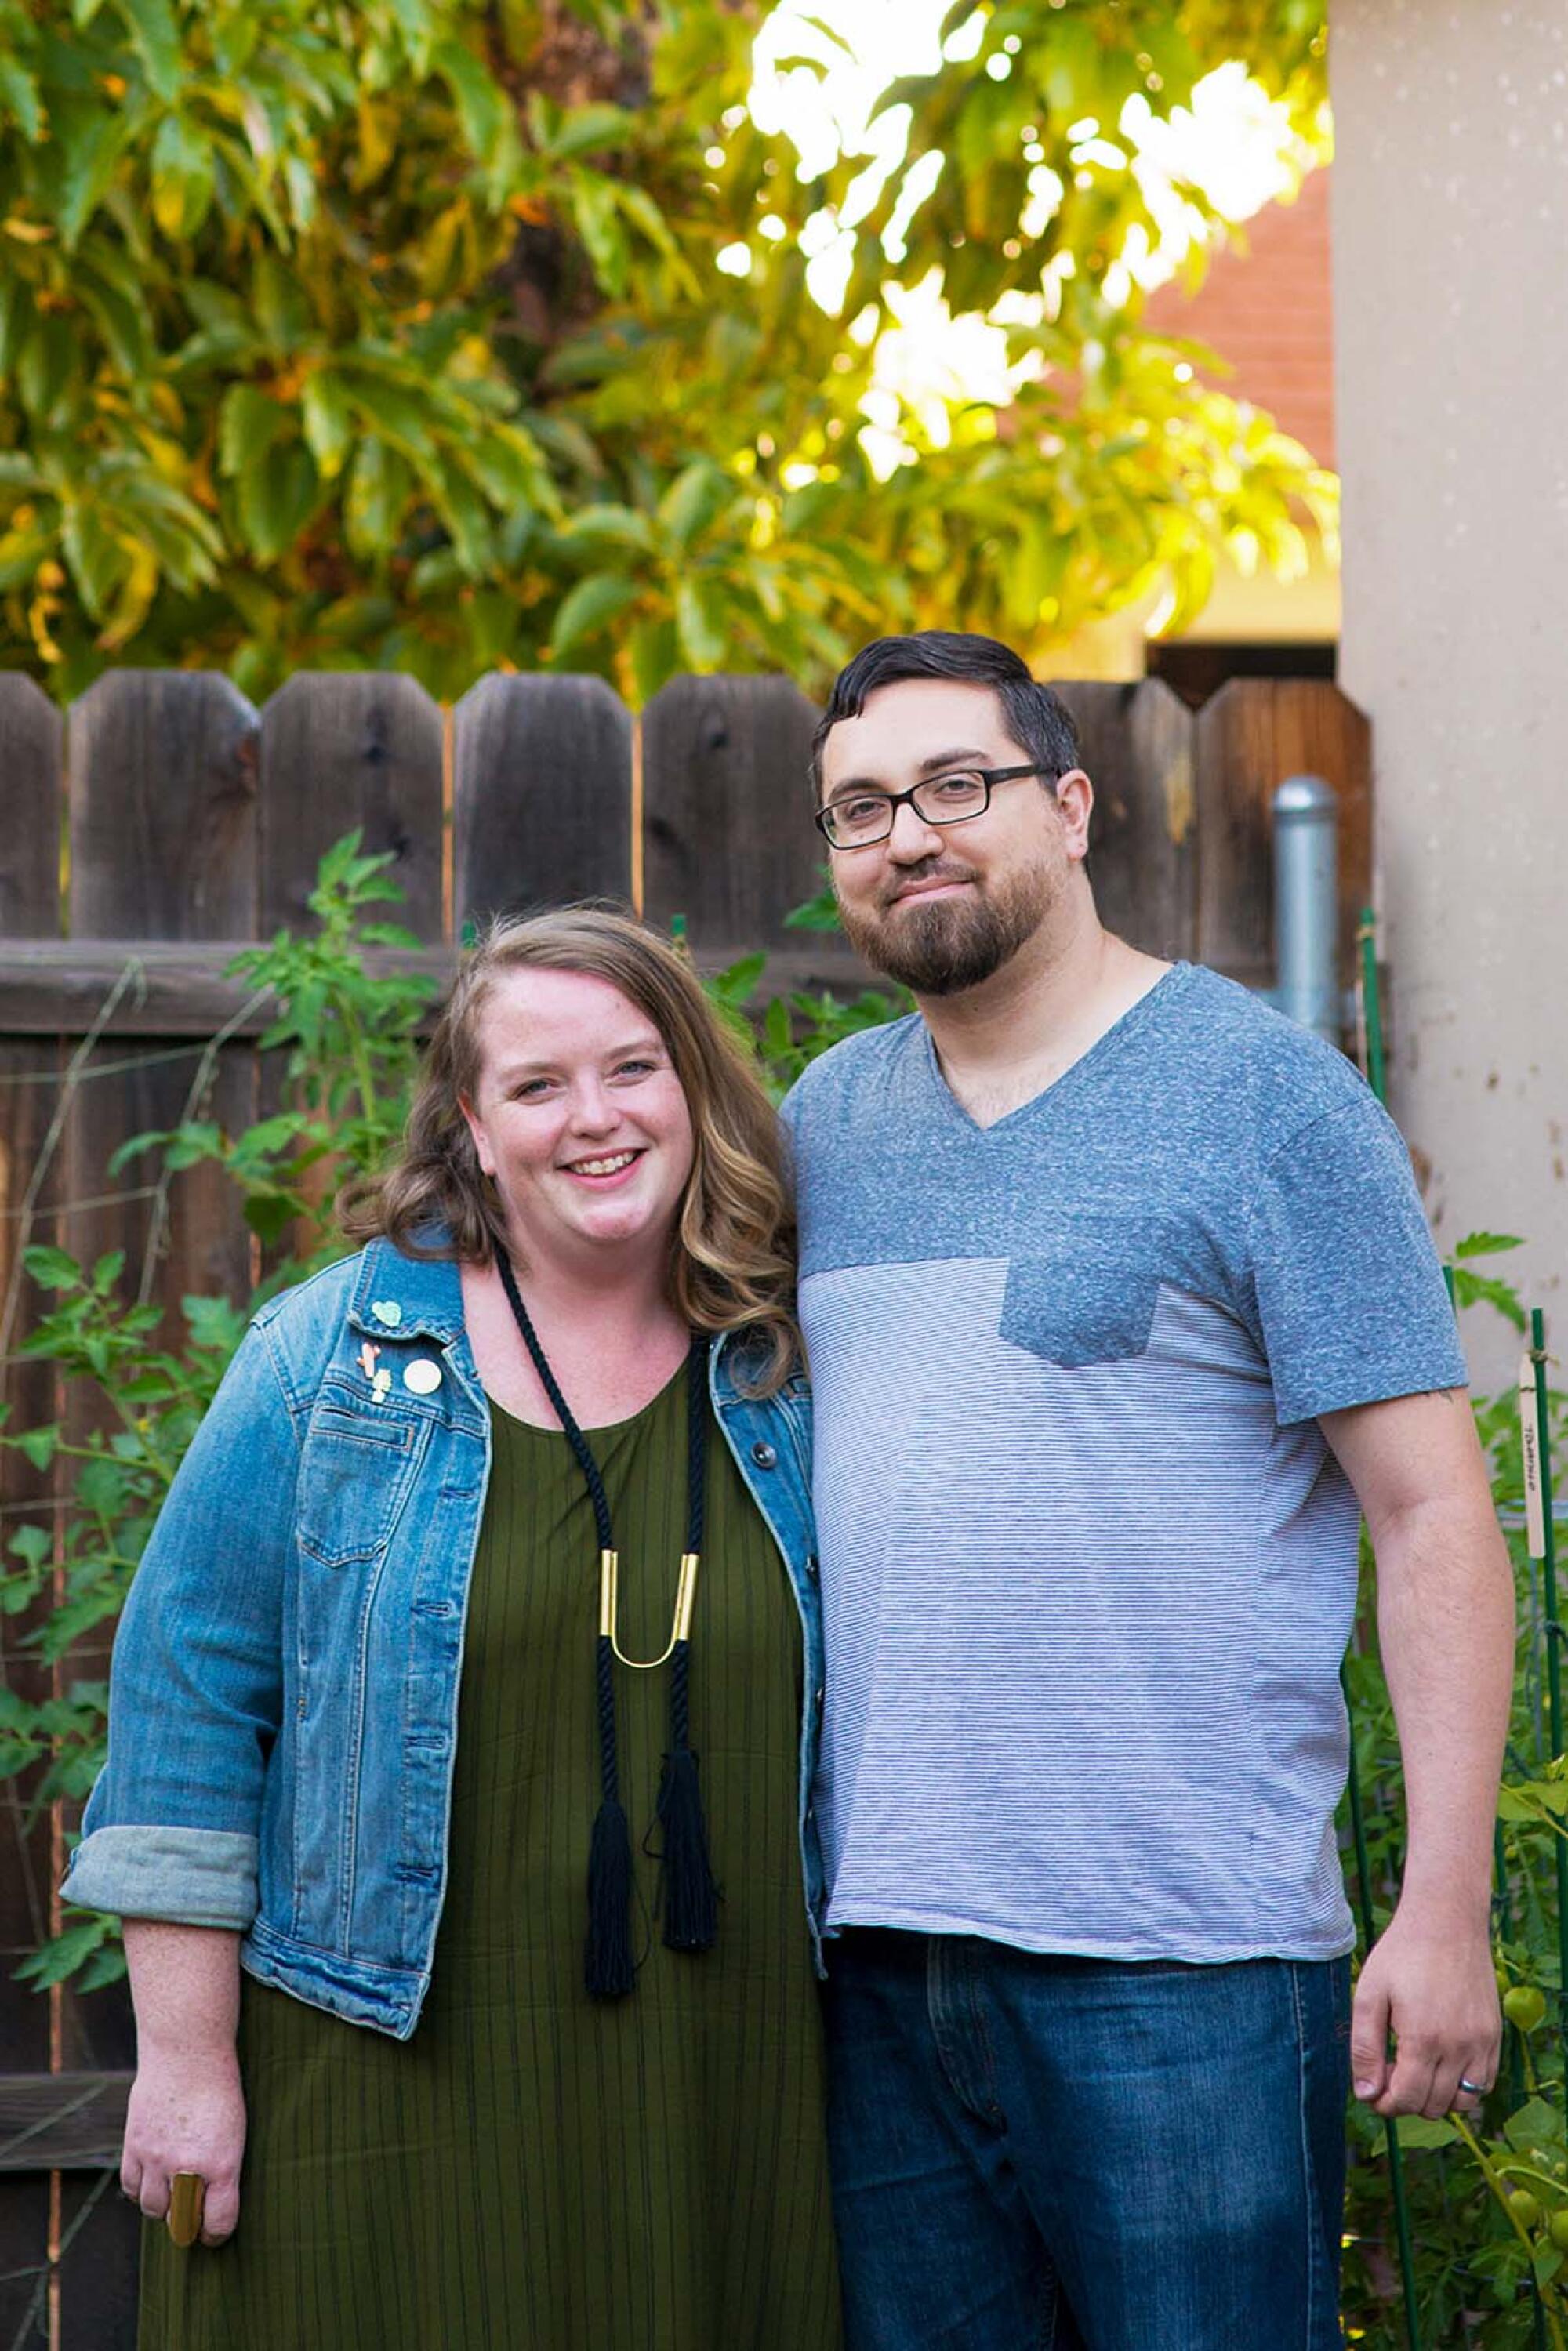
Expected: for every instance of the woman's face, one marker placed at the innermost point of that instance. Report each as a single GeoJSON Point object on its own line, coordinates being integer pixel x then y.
{"type": "Point", "coordinates": [580, 1118]}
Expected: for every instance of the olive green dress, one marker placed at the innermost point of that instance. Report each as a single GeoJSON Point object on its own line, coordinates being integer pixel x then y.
{"type": "Point", "coordinates": [535, 2170]}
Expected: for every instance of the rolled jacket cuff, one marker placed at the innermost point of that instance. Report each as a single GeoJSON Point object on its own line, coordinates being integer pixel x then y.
{"type": "Point", "coordinates": [192, 1877]}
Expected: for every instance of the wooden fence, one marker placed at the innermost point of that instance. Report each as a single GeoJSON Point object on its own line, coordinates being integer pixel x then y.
{"type": "Point", "coordinates": [164, 821]}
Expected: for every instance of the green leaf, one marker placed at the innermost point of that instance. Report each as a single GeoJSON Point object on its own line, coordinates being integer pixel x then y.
{"type": "Point", "coordinates": [416, 23]}
{"type": "Point", "coordinates": [508, 467]}
{"type": "Point", "coordinates": [61, 1957]}
{"type": "Point", "coordinates": [17, 317]}
{"type": "Point", "coordinates": [106, 1966]}
{"type": "Point", "coordinates": [644, 214]}
{"type": "Point", "coordinates": [828, 31]}
{"type": "Point", "coordinates": [618, 525]}
{"type": "Point", "coordinates": [46, 367]}
{"type": "Point", "coordinates": [735, 983]}
{"type": "Point", "coordinates": [589, 607]}
{"type": "Point", "coordinates": [819, 914]}
{"type": "Point", "coordinates": [33, 1545]}
{"type": "Point", "coordinates": [694, 498]}
{"type": "Point", "coordinates": [327, 419]}
{"type": "Point", "coordinates": [1481, 1288]}
{"type": "Point", "coordinates": [584, 126]}
{"type": "Point", "coordinates": [464, 511]}
{"type": "Point", "coordinates": [101, 1485]}
{"type": "Point", "coordinates": [190, 1146]}
{"type": "Point", "coordinates": [249, 421]}
{"type": "Point", "coordinates": [95, 145]}
{"type": "Point", "coordinates": [98, 561]}
{"type": "Point", "coordinates": [596, 210]}
{"type": "Point", "coordinates": [700, 623]}
{"type": "Point", "coordinates": [398, 415]}
{"type": "Point", "coordinates": [1487, 1244]}
{"type": "Point", "coordinates": [38, 1446]}
{"type": "Point", "coordinates": [181, 177]}
{"type": "Point", "coordinates": [655, 655]}
{"type": "Point", "coordinates": [481, 105]}
{"type": "Point", "coordinates": [270, 1216]}
{"type": "Point", "coordinates": [115, 304]}
{"type": "Point", "coordinates": [277, 499]}
{"type": "Point", "coordinates": [53, 1268]}
{"type": "Point", "coordinates": [1419, 2130]}
{"type": "Point", "coordinates": [156, 37]}
{"type": "Point", "coordinates": [1537, 2123]}
{"type": "Point", "coordinates": [133, 1147]}
{"type": "Point", "coordinates": [214, 1322]}
{"type": "Point", "coordinates": [280, 303]}
{"type": "Point", "coordinates": [19, 96]}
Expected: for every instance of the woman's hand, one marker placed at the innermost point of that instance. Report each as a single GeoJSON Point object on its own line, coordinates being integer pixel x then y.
{"type": "Point", "coordinates": [187, 2108]}
{"type": "Point", "coordinates": [186, 2113]}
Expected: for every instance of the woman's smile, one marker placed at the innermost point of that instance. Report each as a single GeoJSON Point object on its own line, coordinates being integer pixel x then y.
{"type": "Point", "coordinates": [605, 1170]}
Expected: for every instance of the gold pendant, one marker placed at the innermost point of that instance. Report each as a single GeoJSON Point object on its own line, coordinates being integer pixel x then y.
{"type": "Point", "coordinates": [686, 1603]}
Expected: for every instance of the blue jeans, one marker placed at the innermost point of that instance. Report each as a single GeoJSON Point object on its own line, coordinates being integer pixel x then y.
{"type": "Point", "coordinates": [1051, 2153]}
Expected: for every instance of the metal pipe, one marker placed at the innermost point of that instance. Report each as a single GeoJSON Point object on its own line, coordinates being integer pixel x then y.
{"type": "Point", "coordinates": [1306, 903]}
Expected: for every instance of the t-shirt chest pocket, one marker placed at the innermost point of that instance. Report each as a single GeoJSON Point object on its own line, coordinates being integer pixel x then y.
{"type": "Point", "coordinates": [1088, 1297]}
{"type": "Point", "coordinates": [354, 1476]}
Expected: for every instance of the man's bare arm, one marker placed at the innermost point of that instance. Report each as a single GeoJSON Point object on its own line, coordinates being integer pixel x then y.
{"type": "Point", "coordinates": [1445, 1628]}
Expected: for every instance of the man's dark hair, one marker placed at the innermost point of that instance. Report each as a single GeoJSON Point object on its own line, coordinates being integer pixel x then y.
{"type": "Point", "coordinates": [1038, 720]}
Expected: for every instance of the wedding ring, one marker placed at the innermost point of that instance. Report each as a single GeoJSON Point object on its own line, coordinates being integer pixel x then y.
{"type": "Point", "coordinates": [1474, 2089]}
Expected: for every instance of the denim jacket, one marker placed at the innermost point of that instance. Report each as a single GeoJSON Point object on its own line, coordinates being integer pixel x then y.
{"type": "Point", "coordinates": [284, 1701]}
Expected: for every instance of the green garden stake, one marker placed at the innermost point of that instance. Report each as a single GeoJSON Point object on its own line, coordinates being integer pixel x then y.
{"type": "Point", "coordinates": [1370, 1024]}
{"type": "Point", "coordinates": [1503, 1904]}
{"type": "Point", "coordinates": [678, 933]}
{"type": "Point", "coordinates": [1541, 1541]}
{"type": "Point", "coordinates": [1390, 2129]}
{"type": "Point", "coordinates": [1370, 1007]}
{"type": "Point", "coordinates": [1502, 1898]}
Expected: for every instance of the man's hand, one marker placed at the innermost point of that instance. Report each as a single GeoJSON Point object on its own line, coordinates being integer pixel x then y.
{"type": "Point", "coordinates": [1435, 1992]}
{"type": "Point", "coordinates": [186, 2113]}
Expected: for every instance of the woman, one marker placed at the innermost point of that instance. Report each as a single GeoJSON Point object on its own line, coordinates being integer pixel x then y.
{"type": "Point", "coordinates": [479, 1450]}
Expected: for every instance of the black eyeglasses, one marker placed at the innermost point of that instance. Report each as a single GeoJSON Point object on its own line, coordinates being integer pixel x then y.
{"type": "Point", "coordinates": [861, 818]}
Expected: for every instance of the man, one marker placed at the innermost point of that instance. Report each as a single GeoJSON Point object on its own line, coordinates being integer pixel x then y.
{"type": "Point", "coordinates": [1121, 1309]}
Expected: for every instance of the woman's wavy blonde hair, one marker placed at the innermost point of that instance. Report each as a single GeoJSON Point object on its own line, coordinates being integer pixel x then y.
{"type": "Point", "coordinates": [732, 1261]}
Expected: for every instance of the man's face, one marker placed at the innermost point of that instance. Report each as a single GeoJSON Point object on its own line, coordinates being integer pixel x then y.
{"type": "Point", "coordinates": [941, 907]}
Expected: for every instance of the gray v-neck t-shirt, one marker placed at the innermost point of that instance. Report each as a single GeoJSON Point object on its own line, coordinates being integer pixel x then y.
{"type": "Point", "coordinates": [1087, 1564]}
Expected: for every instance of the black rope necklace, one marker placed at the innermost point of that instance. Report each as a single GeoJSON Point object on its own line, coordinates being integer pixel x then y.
{"type": "Point", "coordinates": [690, 1899]}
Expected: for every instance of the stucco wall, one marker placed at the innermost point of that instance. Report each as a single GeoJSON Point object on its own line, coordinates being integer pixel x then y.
{"type": "Point", "coordinates": [1450, 268]}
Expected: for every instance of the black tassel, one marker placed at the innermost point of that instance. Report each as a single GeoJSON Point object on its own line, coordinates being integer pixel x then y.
{"type": "Point", "coordinates": [608, 1967]}
{"type": "Point", "coordinates": [690, 1896]}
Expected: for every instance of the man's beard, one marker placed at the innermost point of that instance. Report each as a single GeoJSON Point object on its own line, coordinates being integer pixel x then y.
{"type": "Point", "coordinates": [944, 945]}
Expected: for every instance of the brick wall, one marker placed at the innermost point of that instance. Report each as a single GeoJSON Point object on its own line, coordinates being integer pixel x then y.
{"type": "Point", "coordinates": [1266, 310]}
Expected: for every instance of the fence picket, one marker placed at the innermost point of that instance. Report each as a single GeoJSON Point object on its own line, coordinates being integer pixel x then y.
{"type": "Point", "coordinates": [342, 749]}
{"type": "Point", "coordinates": [162, 808]}
{"type": "Point", "coordinates": [726, 808]}
{"type": "Point", "coordinates": [541, 795]}
{"type": "Point", "coordinates": [1254, 733]}
{"type": "Point", "coordinates": [1137, 748]}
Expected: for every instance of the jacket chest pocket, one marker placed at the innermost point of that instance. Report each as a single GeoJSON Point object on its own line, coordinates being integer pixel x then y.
{"type": "Point", "coordinates": [354, 1476]}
